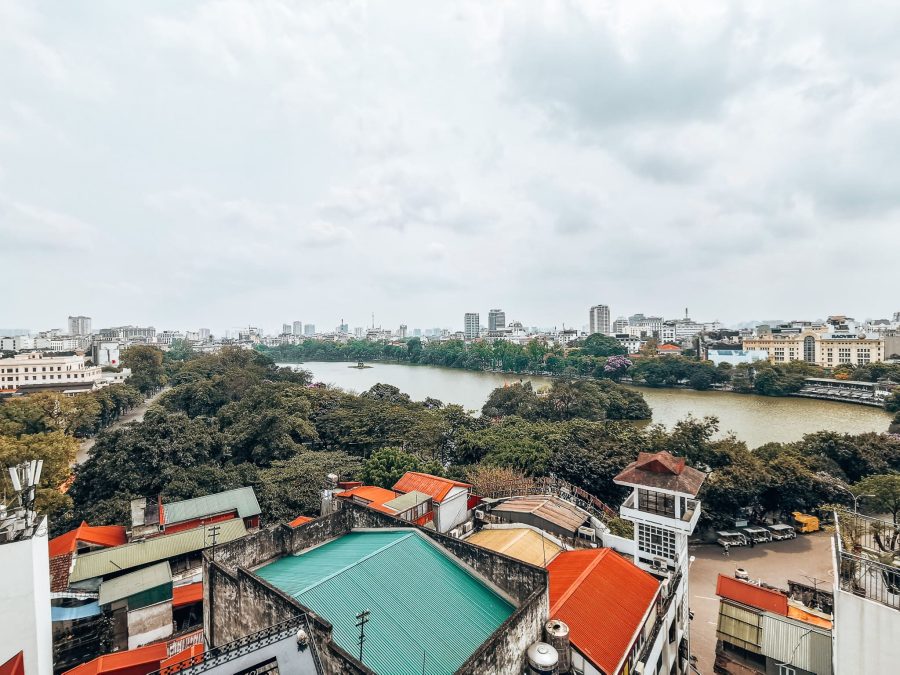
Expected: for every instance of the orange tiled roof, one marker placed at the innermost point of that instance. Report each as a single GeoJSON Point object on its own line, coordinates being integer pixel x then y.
{"type": "Point", "coordinates": [187, 594]}
{"type": "Point", "coordinates": [299, 520]}
{"type": "Point", "coordinates": [586, 592]}
{"type": "Point", "coordinates": [752, 595]}
{"type": "Point", "coordinates": [128, 661]}
{"type": "Point", "coordinates": [374, 496]}
{"type": "Point", "coordinates": [104, 535]}
{"type": "Point", "coordinates": [434, 486]}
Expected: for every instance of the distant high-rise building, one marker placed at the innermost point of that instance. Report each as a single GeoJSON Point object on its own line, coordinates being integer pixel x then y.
{"type": "Point", "coordinates": [472, 327]}
{"type": "Point", "coordinates": [417, 332]}
{"type": "Point", "coordinates": [402, 331]}
{"type": "Point", "coordinates": [204, 334]}
{"type": "Point", "coordinates": [298, 328]}
{"type": "Point", "coordinates": [620, 325]}
{"type": "Point", "coordinates": [309, 329]}
{"type": "Point", "coordinates": [496, 319]}
{"type": "Point", "coordinates": [599, 320]}
{"type": "Point", "coordinates": [79, 325]}
{"type": "Point", "coordinates": [286, 329]}
{"type": "Point", "coordinates": [343, 327]}
{"type": "Point", "coordinates": [358, 332]}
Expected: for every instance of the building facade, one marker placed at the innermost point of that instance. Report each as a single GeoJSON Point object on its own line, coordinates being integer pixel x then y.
{"type": "Point", "coordinates": [825, 348]}
{"type": "Point", "coordinates": [496, 320]}
{"type": "Point", "coordinates": [38, 371]}
{"type": "Point", "coordinates": [472, 327]}
{"type": "Point", "coordinates": [79, 325]}
{"type": "Point", "coordinates": [599, 320]}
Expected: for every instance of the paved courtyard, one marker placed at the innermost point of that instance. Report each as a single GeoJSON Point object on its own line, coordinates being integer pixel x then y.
{"type": "Point", "coordinates": [799, 559]}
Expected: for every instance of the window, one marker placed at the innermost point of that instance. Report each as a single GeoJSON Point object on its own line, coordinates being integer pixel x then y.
{"type": "Point", "coordinates": [809, 349]}
{"type": "Point", "coordinates": [656, 541]}
{"type": "Point", "coordinates": [844, 355]}
{"type": "Point", "coordinates": [656, 502]}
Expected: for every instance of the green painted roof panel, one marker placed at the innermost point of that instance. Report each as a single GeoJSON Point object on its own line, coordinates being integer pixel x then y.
{"type": "Point", "coordinates": [139, 553]}
{"type": "Point", "coordinates": [407, 501]}
{"type": "Point", "coordinates": [135, 582]}
{"type": "Point", "coordinates": [423, 603]}
{"type": "Point", "coordinates": [243, 500]}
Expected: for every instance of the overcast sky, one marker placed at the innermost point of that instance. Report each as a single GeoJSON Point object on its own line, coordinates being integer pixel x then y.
{"type": "Point", "coordinates": [217, 164]}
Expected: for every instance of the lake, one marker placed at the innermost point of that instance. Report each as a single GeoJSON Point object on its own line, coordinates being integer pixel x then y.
{"type": "Point", "coordinates": [754, 419]}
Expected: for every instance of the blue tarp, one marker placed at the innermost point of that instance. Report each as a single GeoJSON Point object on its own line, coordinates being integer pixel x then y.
{"type": "Point", "coordinates": [73, 613]}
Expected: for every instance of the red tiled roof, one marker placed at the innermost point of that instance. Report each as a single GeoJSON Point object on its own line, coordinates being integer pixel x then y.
{"type": "Point", "coordinates": [299, 520]}
{"type": "Point", "coordinates": [187, 594]}
{"type": "Point", "coordinates": [434, 486]}
{"type": "Point", "coordinates": [104, 535]}
{"type": "Point", "coordinates": [604, 599]}
{"type": "Point", "coordinates": [752, 595]}
{"type": "Point", "coordinates": [375, 496]}
{"type": "Point", "coordinates": [15, 666]}
{"type": "Point", "coordinates": [138, 661]}
{"type": "Point", "coordinates": [59, 572]}
{"type": "Point", "coordinates": [668, 348]}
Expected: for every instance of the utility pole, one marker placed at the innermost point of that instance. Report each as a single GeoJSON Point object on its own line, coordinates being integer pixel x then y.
{"type": "Point", "coordinates": [361, 620]}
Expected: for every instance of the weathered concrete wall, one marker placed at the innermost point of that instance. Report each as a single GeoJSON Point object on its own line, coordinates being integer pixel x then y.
{"type": "Point", "coordinates": [504, 651]}
{"type": "Point", "coordinates": [517, 579]}
{"type": "Point", "coordinates": [148, 624]}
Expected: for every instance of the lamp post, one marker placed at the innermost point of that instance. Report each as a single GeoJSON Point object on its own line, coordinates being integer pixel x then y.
{"type": "Point", "coordinates": [856, 497]}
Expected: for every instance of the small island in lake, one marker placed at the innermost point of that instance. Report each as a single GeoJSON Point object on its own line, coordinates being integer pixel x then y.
{"type": "Point", "coordinates": [360, 365]}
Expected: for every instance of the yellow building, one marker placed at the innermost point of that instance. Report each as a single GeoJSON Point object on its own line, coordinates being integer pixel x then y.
{"type": "Point", "coordinates": [827, 349]}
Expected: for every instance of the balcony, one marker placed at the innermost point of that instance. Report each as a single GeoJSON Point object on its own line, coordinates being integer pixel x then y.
{"type": "Point", "coordinates": [868, 557]}
{"type": "Point", "coordinates": [686, 522]}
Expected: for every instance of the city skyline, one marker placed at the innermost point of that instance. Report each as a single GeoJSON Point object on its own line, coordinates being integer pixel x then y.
{"type": "Point", "coordinates": [230, 163]}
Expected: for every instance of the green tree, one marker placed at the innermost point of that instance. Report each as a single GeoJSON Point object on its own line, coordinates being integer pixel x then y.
{"type": "Point", "coordinates": [387, 465]}
{"type": "Point", "coordinates": [518, 398]}
{"type": "Point", "coordinates": [601, 345]}
{"type": "Point", "coordinates": [146, 363]}
{"type": "Point", "coordinates": [58, 452]}
{"type": "Point", "coordinates": [892, 403]}
{"type": "Point", "coordinates": [886, 491]}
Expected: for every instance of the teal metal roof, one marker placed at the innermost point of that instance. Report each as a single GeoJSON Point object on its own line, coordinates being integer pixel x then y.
{"type": "Point", "coordinates": [135, 582]}
{"type": "Point", "coordinates": [243, 500]}
{"type": "Point", "coordinates": [422, 601]}
{"type": "Point", "coordinates": [139, 553]}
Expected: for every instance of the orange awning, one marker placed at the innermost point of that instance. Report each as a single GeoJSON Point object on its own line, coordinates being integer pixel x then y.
{"type": "Point", "coordinates": [15, 666]}
{"type": "Point", "coordinates": [187, 595]}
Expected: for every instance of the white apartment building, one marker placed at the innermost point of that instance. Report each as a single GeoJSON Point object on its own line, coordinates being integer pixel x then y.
{"type": "Point", "coordinates": [79, 325]}
{"type": "Point", "coordinates": [39, 371]}
{"type": "Point", "coordinates": [21, 343]}
{"type": "Point", "coordinates": [680, 329]}
{"type": "Point", "coordinates": [599, 320]}
{"type": "Point", "coordinates": [472, 325]}
{"type": "Point", "coordinates": [620, 325]}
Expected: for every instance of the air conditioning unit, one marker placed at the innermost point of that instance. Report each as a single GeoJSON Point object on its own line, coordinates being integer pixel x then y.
{"type": "Point", "coordinates": [659, 563]}
{"type": "Point", "coordinates": [467, 527]}
{"type": "Point", "coordinates": [587, 533]}
{"type": "Point", "coordinates": [479, 514]}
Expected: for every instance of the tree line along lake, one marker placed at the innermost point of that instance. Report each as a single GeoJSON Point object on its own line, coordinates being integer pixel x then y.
{"type": "Point", "coordinates": [754, 419]}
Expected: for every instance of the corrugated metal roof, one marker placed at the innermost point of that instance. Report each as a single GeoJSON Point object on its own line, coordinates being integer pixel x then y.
{"type": "Point", "coordinates": [421, 602]}
{"type": "Point", "coordinates": [604, 599]}
{"type": "Point", "coordinates": [751, 594]}
{"type": "Point", "coordinates": [103, 535]}
{"type": "Point", "coordinates": [551, 509]}
{"type": "Point", "coordinates": [517, 542]}
{"type": "Point", "coordinates": [135, 554]}
{"type": "Point", "coordinates": [435, 486]}
{"type": "Point", "coordinates": [798, 644]}
{"type": "Point", "coordinates": [135, 582]}
{"type": "Point", "coordinates": [407, 501]}
{"type": "Point", "coordinates": [664, 471]}
{"type": "Point", "coordinates": [243, 500]}
{"type": "Point", "coordinates": [187, 594]}
{"type": "Point", "coordinates": [740, 626]}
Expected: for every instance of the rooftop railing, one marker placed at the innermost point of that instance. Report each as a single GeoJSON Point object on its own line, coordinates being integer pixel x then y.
{"type": "Point", "coordinates": [868, 557]}
{"type": "Point", "coordinates": [551, 485]}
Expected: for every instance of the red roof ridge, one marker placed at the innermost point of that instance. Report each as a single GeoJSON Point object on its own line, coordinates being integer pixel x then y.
{"type": "Point", "coordinates": [750, 594]}
{"type": "Point", "coordinates": [102, 535]}
{"type": "Point", "coordinates": [456, 483]}
{"type": "Point", "coordinates": [581, 577]}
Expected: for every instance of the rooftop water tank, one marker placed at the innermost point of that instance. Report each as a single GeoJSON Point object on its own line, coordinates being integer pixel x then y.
{"type": "Point", "coordinates": [556, 633]}
{"type": "Point", "coordinates": [542, 659]}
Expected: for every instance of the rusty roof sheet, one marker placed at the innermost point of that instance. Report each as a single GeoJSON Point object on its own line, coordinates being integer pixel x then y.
{"type": "Point", "coordinates": [521, 543]}
{"type": "Point", "coordinates": [551, 509]}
